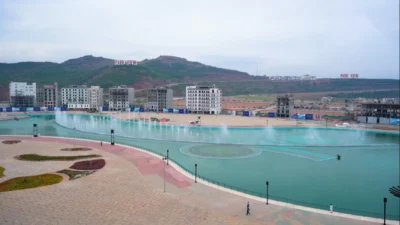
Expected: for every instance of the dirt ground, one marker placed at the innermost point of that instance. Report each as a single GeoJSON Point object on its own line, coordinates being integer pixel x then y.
{"type": "Point", "coordinates": [233, 103]}
{"type": "Point", "coordinates": [209, 120]}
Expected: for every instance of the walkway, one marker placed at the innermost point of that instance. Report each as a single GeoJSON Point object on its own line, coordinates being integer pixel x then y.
{"type": "Point", "coordinates": [128, 190]}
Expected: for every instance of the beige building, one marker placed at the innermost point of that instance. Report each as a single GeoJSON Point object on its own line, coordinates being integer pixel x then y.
{"type": "Point", "coordinates": [121, 97]}
{"type": "Point", "coordinates": [95, 97]}
{"type": "Point", "coordinates": [48, 95]}
{"type": "Point", "coordinates": [159, 98]}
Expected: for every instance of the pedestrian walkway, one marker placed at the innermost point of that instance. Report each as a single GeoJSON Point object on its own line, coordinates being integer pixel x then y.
{"type": "Point", "coordinates": [129, 190]}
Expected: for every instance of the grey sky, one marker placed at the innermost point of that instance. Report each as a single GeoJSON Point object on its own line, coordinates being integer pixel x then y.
{"type": "Point", "coordinates": [279, 37]}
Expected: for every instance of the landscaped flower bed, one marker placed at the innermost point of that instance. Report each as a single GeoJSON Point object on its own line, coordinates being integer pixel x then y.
{"type": "Point", "coordinates": [20, 183]}
{"type": "Point", "coordinates": [35, 157]}
{"type": "Point", "coordinates": [1, 171]}
{"type": "Point", "coordinates": [76, 149]}
{"type": "Point", "coordinates": [76, 174]}
{"type": "Point", "coordinates": [89, 165]}
{"type": "Point", "coordinates": [10, 142]}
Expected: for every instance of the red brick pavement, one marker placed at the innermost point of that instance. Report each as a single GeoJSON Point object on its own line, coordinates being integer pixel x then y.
{"type": "Point", "coordinates": [147, 164]}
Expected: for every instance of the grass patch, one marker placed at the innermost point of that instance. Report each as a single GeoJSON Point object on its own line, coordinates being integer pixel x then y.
{"type": "Point", "coordinates": [76, 174]}
{"type": "Point", "coordinates": [76, 149]}
{"type": "Point", "coordinates": [35, 157]}
{"type": "Point", "coordinates": [2, 171]}
{"type": "Point", "coordinates": [21, 183]}
{"type": "Point", "coordinates": [10, 142]}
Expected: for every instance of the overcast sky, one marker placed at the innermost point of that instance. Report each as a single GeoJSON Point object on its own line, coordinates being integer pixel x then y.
{"type": "Point", "coordinates": [272, 37]}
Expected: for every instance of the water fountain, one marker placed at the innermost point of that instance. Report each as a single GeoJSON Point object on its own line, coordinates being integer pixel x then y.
{"type": "Point", "coordinates": [145, 128]}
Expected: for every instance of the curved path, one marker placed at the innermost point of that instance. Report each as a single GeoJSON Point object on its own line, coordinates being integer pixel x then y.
{"type": "Point", "coordinates": [129, 190]}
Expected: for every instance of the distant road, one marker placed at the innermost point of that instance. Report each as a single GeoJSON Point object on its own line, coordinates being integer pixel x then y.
{"type": "Point", "coordinates": [304, 94]}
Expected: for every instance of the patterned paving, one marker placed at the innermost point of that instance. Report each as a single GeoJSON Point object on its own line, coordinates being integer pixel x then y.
{"type": "Point", "coordinates": [128, 190]}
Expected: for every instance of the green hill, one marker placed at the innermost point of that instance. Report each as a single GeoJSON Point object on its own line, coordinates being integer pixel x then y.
{"type": "Point", "coordinates": [269, 87]}
{"type": "Point", "coordinates": [101, 71]}
{"type": "Point", "coordinates": [173, 71]}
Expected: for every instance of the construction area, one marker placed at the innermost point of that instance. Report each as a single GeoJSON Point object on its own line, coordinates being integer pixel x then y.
{"type": "Point", "coordinates": [379, 113]}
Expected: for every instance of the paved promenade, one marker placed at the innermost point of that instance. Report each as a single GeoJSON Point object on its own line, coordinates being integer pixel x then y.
{"type": "Point", "coordinates": [128, 190]}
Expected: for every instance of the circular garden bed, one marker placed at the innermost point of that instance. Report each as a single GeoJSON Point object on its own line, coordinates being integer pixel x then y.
{"type": "Point", "coordinates": [219, 151]}
{"type": "Point", "coordinates": [10, 142]}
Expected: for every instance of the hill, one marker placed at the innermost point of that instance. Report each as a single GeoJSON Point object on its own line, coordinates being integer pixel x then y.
{"type": "Point", "coordinates": [73, 71]}
{"type": "Point", "coordinates": [233, 88]}
{"type": "Point", "coordinates": [172, 71]}
{"type": "Point", "coordinates": [369, 94]}
{"type": "Point", "coordinates": [101, 71]}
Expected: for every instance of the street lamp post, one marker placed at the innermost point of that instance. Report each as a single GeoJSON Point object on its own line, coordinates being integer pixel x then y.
{"type": "Point", "coordinates": [195, 173]}
{"type": "Point", "coordinates": [35, 130]}
{"type": "Point", "coordinates": [267, 183]}
{"type": "Point", "coordinates": [164, 159]}
{"type": "Point", "coordinates": [167, 157]}
{"type": "Point", "coordinates": [112, 137]}
{"type": "Point", "coordinates": [384, 210]}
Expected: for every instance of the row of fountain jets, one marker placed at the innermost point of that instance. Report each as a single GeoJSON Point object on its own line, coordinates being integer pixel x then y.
{"type": "Point", "coordinates": [139, 126]}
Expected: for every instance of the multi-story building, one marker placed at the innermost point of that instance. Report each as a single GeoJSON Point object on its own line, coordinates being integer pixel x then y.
{"type": "Point", "coordinates": [106, 98]}
{"type": "Point", "coordinates": [48, 95]}
{"type": "Point", "coordinates": [380, 110]}
{"type": "Point", "coordinates": [308, 77]}
{"type": "Point", "coordinates": [203, 99]}
{"type": "Point", "coordinates": [75, 97]}
{"type": "Point", "coordinates": [121, 97]}
{"type": "Point", "coordinates": [159, 98]}
{"type": "Point", "coordinates": [326, 100]}
{"type": "Point", "coordinates": [276, 78]}
{"type": "Point", "coordinates": [379, 113]}
{"type": "Point", "coordinates": [284, 106]}
{"type": "Point", "coordinates": [22, 94]}
{"type": "Point", "coordinates": [95, 97]}
{"type": "Point", "coordinates": [304, 77]}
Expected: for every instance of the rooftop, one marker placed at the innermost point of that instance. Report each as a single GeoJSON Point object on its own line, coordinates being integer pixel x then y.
{"type": "Point", "coordinates": [75, 86]}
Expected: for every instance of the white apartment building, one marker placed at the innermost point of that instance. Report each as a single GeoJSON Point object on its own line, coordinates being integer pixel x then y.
{"type": "Point", "coordinates": [75, 97]}
{"type": "Point", "coordinates": [22, 94]}
{"type": "Point", "coordinates": [308, 77]}
{"type": "Point", "coordinates": [304, 77]}
{"type": "Point", "coordinates": [95, 97]}
{"type": "Point", "coordinates": [121, 97]}
{"type": "Point", "coordinates": [203, 99]}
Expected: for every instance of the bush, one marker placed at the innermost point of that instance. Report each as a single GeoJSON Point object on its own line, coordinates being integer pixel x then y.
{"type": "Point", "coordinates": [10, 142]}
{"type": "Point", "coordinates": [76, 149]}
